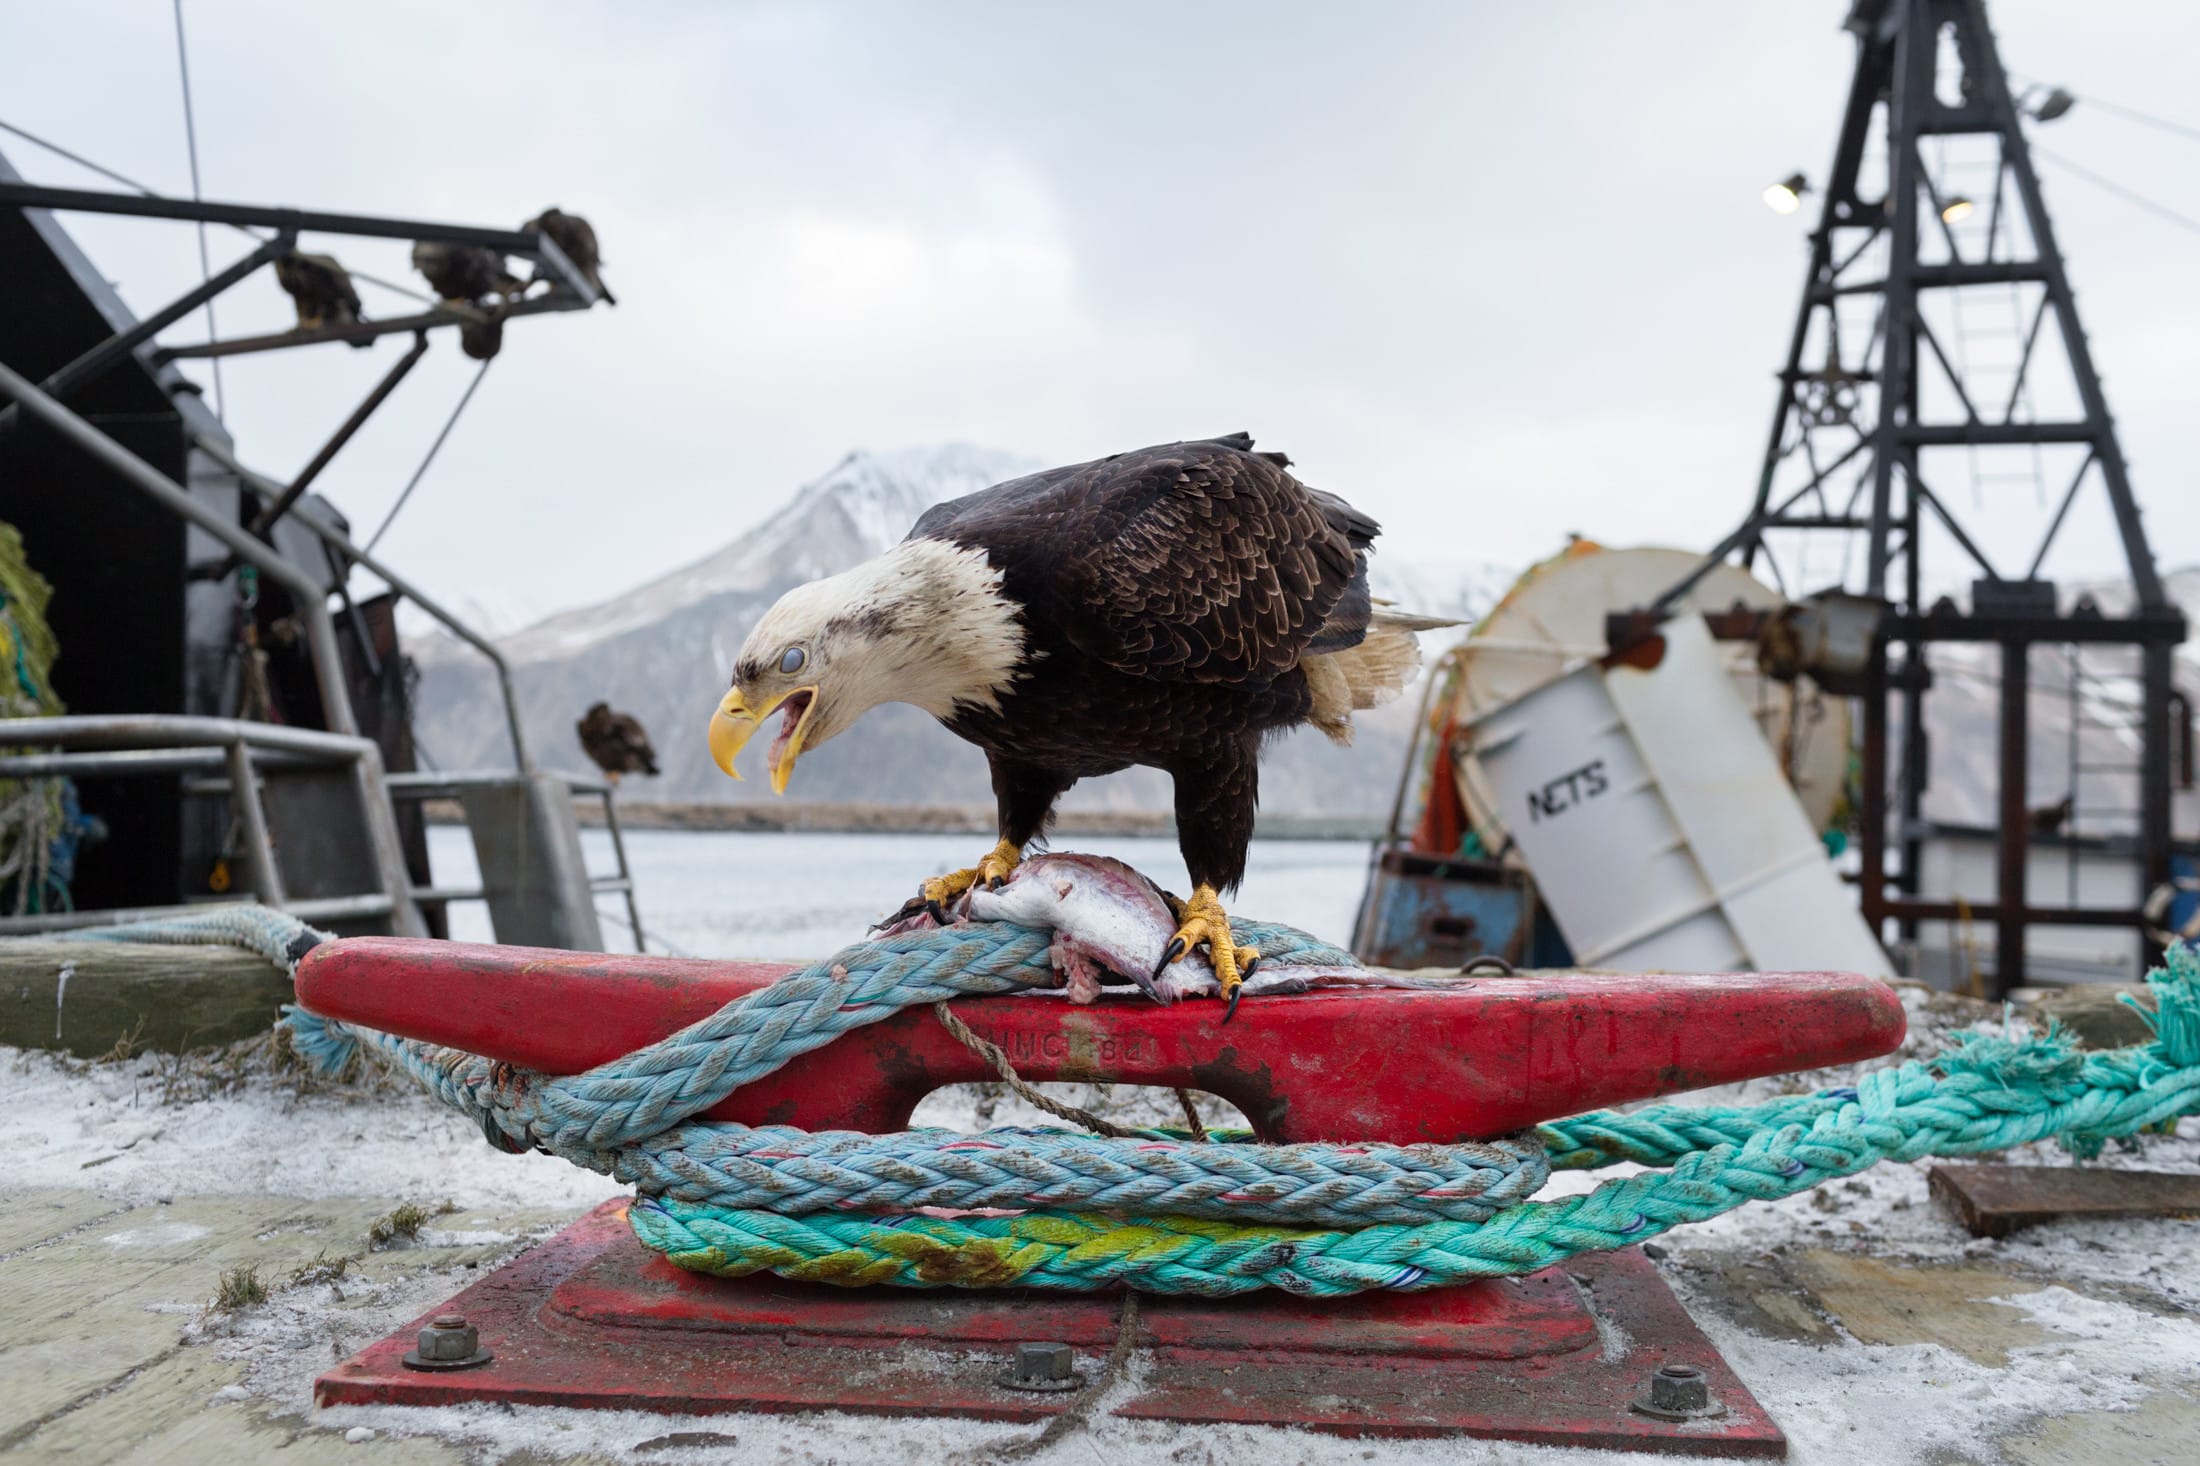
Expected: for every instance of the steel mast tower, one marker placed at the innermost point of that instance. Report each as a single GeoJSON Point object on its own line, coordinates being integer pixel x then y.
{"type": "Point", "coordinates": [1876, 403]}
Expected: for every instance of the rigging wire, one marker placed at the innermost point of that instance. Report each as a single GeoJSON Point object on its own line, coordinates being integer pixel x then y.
{"type": "Point", "coordinates": [143, 192]}
{"type": "Point", "coordinates": [2135, 115]}
{"type": "Point", "coordinates": [433, 449]}
{"type": "Point", "coordinates": [77, 158]}
{"type": "Point", "coordinates": [2115, 109]}
{"type": "Point", "coordinates": [191, 139]}
{"type": "Point", "coordinates": [2129, 195]}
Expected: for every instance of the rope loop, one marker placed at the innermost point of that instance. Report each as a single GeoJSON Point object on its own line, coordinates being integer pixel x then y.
{"type": "Point", "coordinates": [1162, 1211]}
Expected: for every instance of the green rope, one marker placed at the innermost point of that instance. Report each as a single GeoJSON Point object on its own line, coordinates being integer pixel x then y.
{"type": "Point", "coordinates": [1983, 1094]}
{"type": "Point", "coordinates": [633, 1118]}
{"type": "Point", "coordinates": [40, 824]}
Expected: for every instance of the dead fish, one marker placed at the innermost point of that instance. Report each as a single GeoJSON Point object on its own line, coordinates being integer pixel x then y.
{"type": "Point", "coordinates": [1111, 926]}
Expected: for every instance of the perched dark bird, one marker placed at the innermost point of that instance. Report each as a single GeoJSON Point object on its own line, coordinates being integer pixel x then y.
{"type": "Point", "coordinates": [2051, 819]}
{"type": "Point", "coordinates": [1170, 607]}
{"type": "Point", "coordinates": [464, 272]}
{"type": "Point", "coordinates": [616, 742]}
{"type": "Point", "coordinates": [322, 291]}
{"type": "Point", "coordinates": [576, 239]}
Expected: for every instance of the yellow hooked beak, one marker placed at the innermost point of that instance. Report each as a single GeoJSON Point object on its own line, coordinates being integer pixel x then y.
{"type": "Point", "coordinates": [736, 722]}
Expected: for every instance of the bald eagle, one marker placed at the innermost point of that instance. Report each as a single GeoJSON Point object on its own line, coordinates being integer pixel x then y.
{"type": "Point", "coordinates": [464, 272]}
{"type": "Point", "coordinates": [616, 741]}
{"type": "Point", "coordinates": [575, 238]}
{"type": "Point", "coordinates": [1170, 607]}
{"type": "Point", "coordinates": [321, 289]}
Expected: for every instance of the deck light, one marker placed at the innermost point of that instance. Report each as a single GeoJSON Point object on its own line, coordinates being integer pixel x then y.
{"type": "Point", "coordinates": [1957, 209]}
{"type": "Point", "coordinates": [1786, 196]}
{"type": "Point", "coordinates": [2050, 106]}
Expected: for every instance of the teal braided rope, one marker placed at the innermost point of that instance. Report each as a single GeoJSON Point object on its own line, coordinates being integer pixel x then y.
{"type": "Point", "coordinates": [1167, 1226]}
{"type": "Point", "coordinates": [1983, 1095]}
{"type": "Point", "coordinates": [624, 1118]}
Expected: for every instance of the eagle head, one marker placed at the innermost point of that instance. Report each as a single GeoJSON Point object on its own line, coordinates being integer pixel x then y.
{"type": "Point", "coordinates": [925, 623]}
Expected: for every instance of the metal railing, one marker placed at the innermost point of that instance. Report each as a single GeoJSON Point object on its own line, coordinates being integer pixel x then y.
{"type": "Point", "coordinates": [426, 786]}
{"type": "Point", "coordinates": [228, 757]}
{"type": "Point", "coordinates": [311, 597]}
{"type": "Point", "coordinates": [269, 490]}
{"type": "Point", "coordinates": [219, 757]}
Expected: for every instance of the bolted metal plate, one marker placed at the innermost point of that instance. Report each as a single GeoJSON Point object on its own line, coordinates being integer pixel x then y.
{"type": "Point", "coordinates": [592, 1319]}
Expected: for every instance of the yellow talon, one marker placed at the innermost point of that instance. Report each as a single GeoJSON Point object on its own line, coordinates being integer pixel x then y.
{"type": "Point", "coordinates": [993, 868]}
{"type": "Point", "coordinates": [1204, 923]}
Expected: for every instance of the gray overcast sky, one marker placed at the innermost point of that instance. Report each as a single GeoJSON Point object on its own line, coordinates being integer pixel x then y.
{"type": "Point", "coordinates": [1494, 272]}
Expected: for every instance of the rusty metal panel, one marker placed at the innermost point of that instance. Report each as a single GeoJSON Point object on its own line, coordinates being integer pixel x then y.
{"type": "Point", "coordinates": [590, 1319]}
{"type": "Point", "coordinates": [1438, 911]}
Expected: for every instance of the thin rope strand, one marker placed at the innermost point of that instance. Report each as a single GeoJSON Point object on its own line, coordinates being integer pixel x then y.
{"type": "Point", "coordinates": [992, 1053]}
{"type": "Point", "coordinates": [2128, 195]}
{"type": "Point", "coordinates": [206, 265]}
{"type": "Point", "coordinates": [433, 449]}
{"type": "Point", "coordinates": [143, 192]}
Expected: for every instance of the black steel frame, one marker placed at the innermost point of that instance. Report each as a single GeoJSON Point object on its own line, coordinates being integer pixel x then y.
{"type": "Point", "coordinates": [1840, 405]}
{"type": "Point", "coordinates": [570, 291]}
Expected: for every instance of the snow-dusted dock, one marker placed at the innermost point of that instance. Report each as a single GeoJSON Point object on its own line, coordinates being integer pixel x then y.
{"type": "Point", "coordinates": [1870, 1326]}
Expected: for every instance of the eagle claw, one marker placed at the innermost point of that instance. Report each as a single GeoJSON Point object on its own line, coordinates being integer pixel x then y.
{"type": "Point", "coordinates": [1204, 924]}
{"type": "Point", "coordinates": [992, 871]}
{"type": "Point", "coordinates": [1169, 954]}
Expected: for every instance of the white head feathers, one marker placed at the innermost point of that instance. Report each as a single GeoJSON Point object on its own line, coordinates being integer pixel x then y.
{"type": "Point", "coordinates": [925, 623]}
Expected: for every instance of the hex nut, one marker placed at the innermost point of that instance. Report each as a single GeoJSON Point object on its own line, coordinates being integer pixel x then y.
{"type": "Point", "coordinates": [1678, 1392]}
{"type": "Point", "coordinates": [448, 1342]}
{"type": "Point", "coordinates": [1041, 1367]}
{"type": "Point", "coordinates": [1679, 1387]}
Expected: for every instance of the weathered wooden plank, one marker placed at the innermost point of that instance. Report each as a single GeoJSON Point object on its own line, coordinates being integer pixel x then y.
{"type": "Point", "coordinates": [95, 1363]}
{"type": "Point", "coordinates": [83, 996]}
{"type": "Point", "coordinates": [1993, 1201]}
{"type": "Point", "coordinates": [33, 1218]}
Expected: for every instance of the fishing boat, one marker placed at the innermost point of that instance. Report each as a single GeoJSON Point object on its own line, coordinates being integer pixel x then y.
{"type": "Point", "coordinates": [207, 710]}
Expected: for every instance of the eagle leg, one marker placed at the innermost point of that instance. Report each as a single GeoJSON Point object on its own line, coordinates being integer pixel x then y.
{"type": "Point", "coordinates": [1204, 923]}
{"type": "Point", "coordinates": [992, 870]}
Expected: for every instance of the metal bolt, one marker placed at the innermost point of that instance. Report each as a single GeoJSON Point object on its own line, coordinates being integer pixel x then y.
{"type": "Point", "coordinates": [1679, 1387]}
{"type": "Point", "coordinates": [1041, 1367]}
{"type": "Point", "coordinates": [1678, 1392]}
{"type": "Point", "coordinates": [448, 1337]}
{"type": "Point", "coordinates": [448, 1342]}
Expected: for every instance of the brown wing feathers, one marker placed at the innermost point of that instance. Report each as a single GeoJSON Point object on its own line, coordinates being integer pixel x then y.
{"type": "Point", "coordinates": [1202, 562]}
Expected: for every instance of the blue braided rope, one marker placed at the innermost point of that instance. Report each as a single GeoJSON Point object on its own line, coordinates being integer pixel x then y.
{"type": "Point", "coordinates": [1166, 1215]}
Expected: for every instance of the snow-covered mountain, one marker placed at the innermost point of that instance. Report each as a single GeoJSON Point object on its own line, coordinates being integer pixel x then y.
{"type": "Point", "coordinates": [866, 503]}
{"type": "Point", "coordinates": [661, 651]}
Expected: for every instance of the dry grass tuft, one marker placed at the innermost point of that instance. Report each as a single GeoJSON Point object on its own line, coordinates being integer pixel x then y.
{"type": "Point", "coordinates": [403, 1224]}
{"type": "Point", "coordinates": [125, 1045]}
{"type": "Point", "coordinates": [323, 1269]}
{"type": "Point", "coordinates": [240, 1288]}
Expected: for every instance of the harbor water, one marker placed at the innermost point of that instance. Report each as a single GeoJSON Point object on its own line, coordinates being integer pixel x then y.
{"type": "Point", "coordinates": [795, 895]}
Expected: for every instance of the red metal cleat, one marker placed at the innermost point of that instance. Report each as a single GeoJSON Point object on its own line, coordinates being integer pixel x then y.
{"type": "Point", "coordinates": [1493, 1056]}
{"type": "Point", "coordinates": [1566, 1356]}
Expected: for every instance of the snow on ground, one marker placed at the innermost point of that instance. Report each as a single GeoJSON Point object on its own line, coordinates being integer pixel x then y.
{"type": "Point", "coordinates": [113, 1129]}
{"type": "Point", "coordinates": [2048, 1329]}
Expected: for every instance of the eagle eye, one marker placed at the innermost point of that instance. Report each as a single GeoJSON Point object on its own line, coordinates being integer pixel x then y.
{"type": "Point", "coordinates": [791, 660]}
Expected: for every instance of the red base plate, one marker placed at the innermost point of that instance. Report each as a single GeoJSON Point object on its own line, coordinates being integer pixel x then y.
{"type": "Point", "coordinates": [592, 1319]}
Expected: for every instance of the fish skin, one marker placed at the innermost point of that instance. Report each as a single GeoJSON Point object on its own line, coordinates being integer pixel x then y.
{"type": "Point", "coordinates": [1110, 922]}
{"type": "Point", "coordinates": [1104, 912]}
{"type": "Point", "coordinates": [1108, 913]}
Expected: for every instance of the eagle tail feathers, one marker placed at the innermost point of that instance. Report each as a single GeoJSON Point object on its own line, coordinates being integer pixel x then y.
{"type": "Point", "coordinates": [1365, 676]}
